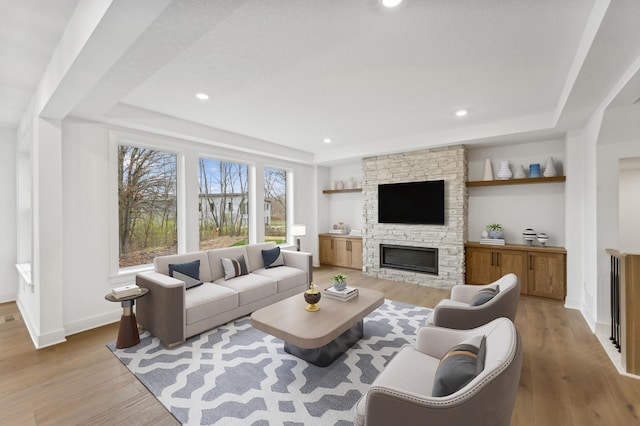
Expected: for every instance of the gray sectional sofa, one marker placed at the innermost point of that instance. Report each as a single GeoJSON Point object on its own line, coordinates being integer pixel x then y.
{"type": "Point", "coordinates": [174, 313]}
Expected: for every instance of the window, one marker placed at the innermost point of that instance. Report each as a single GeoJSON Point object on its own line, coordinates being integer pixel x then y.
{"type": "Point", "coordinates": [147, 206]}
{"type": "Point", "coordinates": [275, 200]}
{"type": "Point", "coordinates": [223, 203]}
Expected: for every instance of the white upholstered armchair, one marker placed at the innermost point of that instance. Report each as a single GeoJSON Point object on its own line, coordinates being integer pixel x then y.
{"type": "Point", "coordinates": [401, 394]}
{"type": "Point", "coordinates": [457, 312]}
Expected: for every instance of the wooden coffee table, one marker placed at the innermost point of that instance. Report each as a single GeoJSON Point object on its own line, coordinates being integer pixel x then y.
{"type": "Point", "coordinates": [318, 337]}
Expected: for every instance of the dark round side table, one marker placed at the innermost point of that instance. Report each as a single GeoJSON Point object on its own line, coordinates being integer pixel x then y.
{"type": "Point", "coordinates": [128, 332]}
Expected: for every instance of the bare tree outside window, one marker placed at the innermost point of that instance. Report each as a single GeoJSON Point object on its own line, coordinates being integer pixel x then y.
{"type": "Point", "coordinates": [147, 208]}
{"type": "Point", "coordinates": [223, 198]}
{"type": "Point", "coordinates": [275, 200]}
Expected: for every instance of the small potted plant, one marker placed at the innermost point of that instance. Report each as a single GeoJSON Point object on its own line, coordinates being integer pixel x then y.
{"type": "Point", "coordinates": [339, 281]}
{"type": "Point", "coordinates": [495, 230]}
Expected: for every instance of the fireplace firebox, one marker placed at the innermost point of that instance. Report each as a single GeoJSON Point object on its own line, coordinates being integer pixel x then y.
{"type": "Point", "coordinates": [409, 258]}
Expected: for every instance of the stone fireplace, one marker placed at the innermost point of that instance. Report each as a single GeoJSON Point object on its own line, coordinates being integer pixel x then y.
{"type": "Point", "coordinates": [448, 163]}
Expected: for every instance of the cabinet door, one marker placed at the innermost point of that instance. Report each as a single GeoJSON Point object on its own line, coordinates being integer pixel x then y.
{"type": "Point", "coordinates": [343, 255]}
{"type": "Point", "coordinates": [509, 261]}
{"type": "Point", "coordinates": [356, 253]}
{"type": "Point", "coordinates": [480, 265]}
{"type": "Point", "coordinates": [546, 275]}
{"type": "Point", "coordinates": [327, 251]}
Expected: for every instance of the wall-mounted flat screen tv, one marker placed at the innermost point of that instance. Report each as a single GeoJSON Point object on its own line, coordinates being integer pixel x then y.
{"type": "Point", "coordinates": [411, 202]}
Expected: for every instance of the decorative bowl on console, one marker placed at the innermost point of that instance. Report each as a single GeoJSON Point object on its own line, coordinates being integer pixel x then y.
{"type": "Point", "coordinates": [529, 236]}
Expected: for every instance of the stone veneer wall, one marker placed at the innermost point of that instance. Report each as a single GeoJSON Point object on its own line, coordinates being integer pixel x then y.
{"type": "Point", "coordinates": [448, 163]}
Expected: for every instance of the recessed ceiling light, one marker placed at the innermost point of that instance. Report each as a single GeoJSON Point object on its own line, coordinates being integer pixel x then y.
{"type": "Point", "coordinates": [462, 112]}
{"type": "Point", "coordinates": [326, 140]}
{"type": "Point", "coordinates": [390, 4]}
{"type": "Point", "coordinates": [202, 96]}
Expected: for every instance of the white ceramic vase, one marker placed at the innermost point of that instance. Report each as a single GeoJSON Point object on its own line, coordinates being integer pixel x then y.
{"type": "Point", "coordinates": [519, 174]}
{"type": "Point", "coordinates": [550, 168]}
{"type": "Point", "coordinates": [505, 172]}
{"type": "Point", "coordinates": [487, 173]}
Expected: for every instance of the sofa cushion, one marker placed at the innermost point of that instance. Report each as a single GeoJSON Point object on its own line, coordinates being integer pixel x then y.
{"type": "Point", "coordinates": [234, 267]}
{"type": "Point", "coordinates": [272, 257]}
{"type": "Point", "coordinates": [207, 300]}
{"type": "Point", "coordinates": [286, 276]}
{"type": "Point", "coordinates": [250, 288]}
{"type": "Point", "coordinates": [459, 366]}
{"type": "Point", "coordinates": [484, 295]}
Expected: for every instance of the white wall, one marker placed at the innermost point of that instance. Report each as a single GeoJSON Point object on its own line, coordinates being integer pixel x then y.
{"type": "Point", "coordinates": [629, 209]}
{"type": "Point", "coordinates": [8, 247]}
{"type": "Point", "coordinates": [517, 207]}
{"type": "Point", "coordinates": [345, 207]}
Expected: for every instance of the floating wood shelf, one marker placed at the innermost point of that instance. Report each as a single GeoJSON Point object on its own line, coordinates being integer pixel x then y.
{"type": "Point", "coordinates": [517, 181]}
{"type": "Point", "coordinates": [336, 191]}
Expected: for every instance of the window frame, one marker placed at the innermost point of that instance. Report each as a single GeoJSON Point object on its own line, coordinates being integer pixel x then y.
{"type": "Point", "coordinates": [251, 222]}
{"type": "Point", "coordinates": [115, 140]}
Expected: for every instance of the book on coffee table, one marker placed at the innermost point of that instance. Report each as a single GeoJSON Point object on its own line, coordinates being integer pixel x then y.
{"type": "Point", "coordinates": [346, 294]}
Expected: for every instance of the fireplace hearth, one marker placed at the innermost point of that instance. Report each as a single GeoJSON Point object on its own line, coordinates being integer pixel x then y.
{"type": "Point", "coordinates": [409, 258]}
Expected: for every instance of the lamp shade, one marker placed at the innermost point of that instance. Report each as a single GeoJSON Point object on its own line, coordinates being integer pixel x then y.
{"type": "Point", "coordinates": [298, 230]}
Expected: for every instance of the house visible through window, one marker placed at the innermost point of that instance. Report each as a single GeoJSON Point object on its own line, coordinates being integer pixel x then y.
{"type": "Point", "coordinates": [147, 207]}
{"type": "Point", "coordinates": [223, 203]}
{"type": "Point", "coordinates": [275, 200]}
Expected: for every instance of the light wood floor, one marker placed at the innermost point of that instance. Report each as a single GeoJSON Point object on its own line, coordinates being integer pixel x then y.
{"type": "Point", "coordinates": [567, 379]}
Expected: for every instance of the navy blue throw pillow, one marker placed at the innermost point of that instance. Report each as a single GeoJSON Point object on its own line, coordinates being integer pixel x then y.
{"type": "Point", "coordinates": [272, 257]}
{"type": "Point", "coordinates": [190, 269]}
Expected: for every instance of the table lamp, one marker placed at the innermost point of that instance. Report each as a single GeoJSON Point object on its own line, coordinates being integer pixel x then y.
{"type": "Point", "coordinates": [298, 231]}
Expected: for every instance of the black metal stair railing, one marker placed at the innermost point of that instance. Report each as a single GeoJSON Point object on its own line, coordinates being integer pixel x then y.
{"type": "Point", "coordinates": [615, 302]}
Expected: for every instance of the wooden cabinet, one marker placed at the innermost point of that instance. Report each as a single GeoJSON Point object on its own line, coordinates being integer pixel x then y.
{"type": "Point", "coordinates": [546, 275]}
{"type": "Point", "coordinates": [341, 250]}
{"type": "Point", "coordinates": [485, 265]}
{"type": "Point", "coordinates": [541, 270]}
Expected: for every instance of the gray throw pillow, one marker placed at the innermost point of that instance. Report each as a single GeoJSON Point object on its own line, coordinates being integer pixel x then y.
{"type": "Point", "coordinates": [187, 269]}
{"type": "Point", "coordinates": [234, 267]}
{"type": "Point", "coordinates": [459, 366]}
{"type": "Point", "coordinates": [272, 257]}
{"type": "Point", "coordinates": [484, 295]}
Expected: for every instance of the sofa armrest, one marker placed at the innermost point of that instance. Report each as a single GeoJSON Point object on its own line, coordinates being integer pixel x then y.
{"type": "Point", "coordinates": [462, 317]}
{"type": "Point", "coordinates": [162, 310]}
{"type": "Point", "coordinates": [301, 260]}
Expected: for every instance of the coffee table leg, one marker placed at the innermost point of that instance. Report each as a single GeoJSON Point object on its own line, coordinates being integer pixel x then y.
{"type": "Point", "coordinates": [128, 332]}
{"type": "Point", "coordinates": [328, 353]}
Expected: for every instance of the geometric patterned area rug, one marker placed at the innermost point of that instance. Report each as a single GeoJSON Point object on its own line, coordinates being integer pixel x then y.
{"type": "Point", "coordinates": [237, 375]}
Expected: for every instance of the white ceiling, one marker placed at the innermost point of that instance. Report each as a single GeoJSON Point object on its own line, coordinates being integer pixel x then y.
{"type": "Point", "coordinates": [29, 32]}
{"type": "Point", "coordinates": [292, 72]}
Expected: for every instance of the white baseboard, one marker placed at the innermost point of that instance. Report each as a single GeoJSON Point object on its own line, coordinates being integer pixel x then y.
{"type": "Point", "coordinates": [603, 331]}
{"type": "Point", "coordinates": [93, 322]}
{"type": "Point", "coordinates": [572, 303]}
{"type": "Point", "coordinates": [40, 340]}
